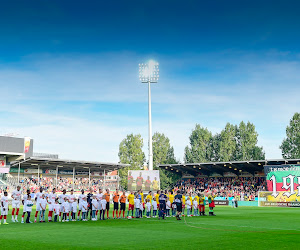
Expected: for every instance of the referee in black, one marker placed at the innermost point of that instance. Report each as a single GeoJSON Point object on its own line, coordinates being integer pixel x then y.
{"type": "Point", "coordinates": [178, 202]}
{"type": "Point", "coordinates": [162, 205]}
{"type": "Point", "coordinates": [89, 201]}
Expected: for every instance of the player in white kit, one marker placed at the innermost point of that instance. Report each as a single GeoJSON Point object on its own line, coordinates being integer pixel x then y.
{"type": "Point", "coordinates": [61, 201]}
{"type": "Point", "coordinates": [72, 200]}
{"type": "Point", "coordinates": [99, 198]}
{"type": "Point", "coordinates": [24, 201]}
{"type": "Point", "coordinates": [43, 206]}
{"type": "Point", "coordinates": [94, 208]}
{"type": "Point", "coordinates": [103, 207]}
{"type": "Point", "coordinates": [84, 209]}
{"type": "Point", "coordinates": [56, 209]}
{"type": "Point", "coordinates": [65, 209]}
{"type": "Point", "coordinates": [74, 209]}
{"type": "Point", "coordinates": [80, 201]}
{"type": "Point", "coordinates": [51, 201]}
{"type": "Point", "coordinates": [16, 201]}
{"type": "Point", "coordinates": [4, 208]}
{"type": "Point", "coordinates": [38, 198]}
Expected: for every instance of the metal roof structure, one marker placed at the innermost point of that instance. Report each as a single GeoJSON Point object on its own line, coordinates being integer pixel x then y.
{"type": "Point", "coordinates": [62, 164]}
{"type": "Point", "coordinates": [236, 167]}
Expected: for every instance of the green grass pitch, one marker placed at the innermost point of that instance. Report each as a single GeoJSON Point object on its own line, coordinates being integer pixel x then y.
{"type": "Point", "coordinates": [240, 228]}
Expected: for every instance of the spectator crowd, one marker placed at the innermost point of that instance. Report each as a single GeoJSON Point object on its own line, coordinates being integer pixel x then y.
{"type": "Point", "coordinates": [33, 183]}
{"type": "Point", "coordinates": [246, 188]}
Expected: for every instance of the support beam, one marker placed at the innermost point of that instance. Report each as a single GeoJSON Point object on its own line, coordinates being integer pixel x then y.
{"type": "Point", "coordinates": [19, 173]}
{"type": "Point", "coordinates": [56, 176]}
{"type": "Point", "coordinates": [39, 174]}
{"type": "Point", "coordinates": [104, 179]}
{"type": "Point", "coordinates": [118, 186]}
{"type": "Point", "coordinates": [89, 177]}
{"type": "Point", "coordinates": [73, 178]}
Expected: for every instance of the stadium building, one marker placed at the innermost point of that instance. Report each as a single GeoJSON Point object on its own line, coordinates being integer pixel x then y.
{"type": "Point", "coordinates": [226, 169]}
{"type": "Point", "coordinates": [19, 163]}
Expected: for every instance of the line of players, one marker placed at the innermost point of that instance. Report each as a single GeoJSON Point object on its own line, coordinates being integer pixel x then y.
{"type": "Point", "coordinates": [64, 207]}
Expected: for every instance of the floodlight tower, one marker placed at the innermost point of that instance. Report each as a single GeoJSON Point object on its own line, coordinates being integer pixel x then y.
{"type": "Point", "coordinates": [149, 73]}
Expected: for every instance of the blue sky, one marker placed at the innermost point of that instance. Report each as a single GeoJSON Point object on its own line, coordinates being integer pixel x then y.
{"type": "Point", "coordinates": [69, 71]}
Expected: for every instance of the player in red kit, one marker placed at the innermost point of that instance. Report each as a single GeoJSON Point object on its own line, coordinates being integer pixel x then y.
{"type": "Point", "coordinates": [148, 184]}
{"type": "Point", "coordinates": [139, 182]}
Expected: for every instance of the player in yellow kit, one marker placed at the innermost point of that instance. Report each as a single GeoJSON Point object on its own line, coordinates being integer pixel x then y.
{"type": "Point", "coordinates": [191, 199]}
{"type": "Point", "coordinates": [142, 200]}
{"type": "Point", "coordinates": [157, 197]}
{"type": "Point", "coordinates": [183, 203]}
{"type": "Point", "coordinates": [155, 184]}
{"type": "Point", "coordinates": [149, 197]}
{"type": "Point", "coordinates": [131, 203]}
{"type": "Point", "coordinates": [197, 199]}
{"type": "Point", "coordinates": [171, 199]}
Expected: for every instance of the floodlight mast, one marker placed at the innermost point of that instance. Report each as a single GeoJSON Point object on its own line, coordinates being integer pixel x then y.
{"type": "Point", "coordinates": [149, 73]}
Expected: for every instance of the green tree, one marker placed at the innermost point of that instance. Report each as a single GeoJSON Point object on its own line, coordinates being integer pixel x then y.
{"type": "Point", "coordinates": [163, 153]}
{"type": "Point", "coordinates": [290, 146]}
{"type": "Point", "coordinates": [234, 143]}
{"type": "Point", "coordinates": [227, 143]}
{"type": "Point", "coordinates": [200, 148]}
{"type": "Point", "coordinates": [246, 138]}
{"type": "Point", "coordinates": [213, 149]}
{"type": "Point", "coordinates": [130, 152]}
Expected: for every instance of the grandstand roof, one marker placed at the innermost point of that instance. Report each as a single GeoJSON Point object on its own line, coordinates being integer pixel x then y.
{"type": "Point", "coordinates": [236, 167]}
{"type": "Point", "coordinates": [48, 163]}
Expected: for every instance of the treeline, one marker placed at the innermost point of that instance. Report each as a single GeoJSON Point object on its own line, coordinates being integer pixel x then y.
{"type": "Point", "coordinates": [233, 143]}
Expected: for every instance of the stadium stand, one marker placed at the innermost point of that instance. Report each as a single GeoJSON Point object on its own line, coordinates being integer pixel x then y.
{"type": "Point", "coordinates": [242, 179]}
{"type": "Point", "coordinates": [246, 188]}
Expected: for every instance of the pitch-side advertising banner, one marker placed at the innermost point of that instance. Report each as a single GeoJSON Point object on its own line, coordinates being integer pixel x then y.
{"type": "Point", "coordinates": [283, 184]}
{"type": "Point", "coordinates": [143, 179]}
{"type": "Point", "coordinates": [4, 169]}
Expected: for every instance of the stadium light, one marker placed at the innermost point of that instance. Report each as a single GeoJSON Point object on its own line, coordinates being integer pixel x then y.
{"type": "Point", "coordinates": [149, 73]}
